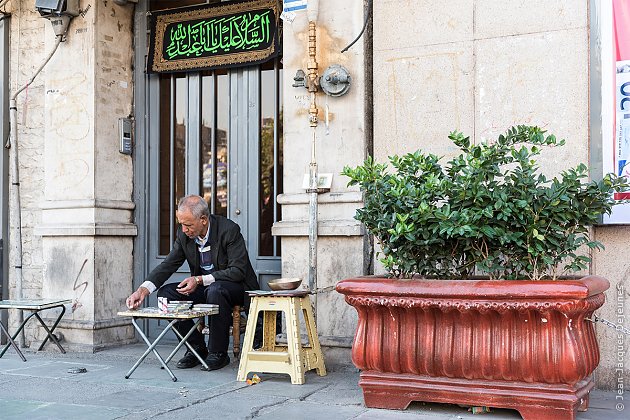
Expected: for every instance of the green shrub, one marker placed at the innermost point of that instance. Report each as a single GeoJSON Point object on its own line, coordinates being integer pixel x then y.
{"type": "Point", "coordinates": [489, 209]}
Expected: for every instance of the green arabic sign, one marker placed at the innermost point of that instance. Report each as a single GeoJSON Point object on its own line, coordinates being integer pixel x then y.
{"type": "Point", "coordinates": [207, 37]}
{"type": "Point", "coordinates": [236, 33]}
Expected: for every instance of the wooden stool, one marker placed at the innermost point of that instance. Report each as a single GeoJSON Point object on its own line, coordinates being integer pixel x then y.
{"type": "Point", "coordinates": [236, 330]}
{"type": "Point", "coordinates": [294, 359]}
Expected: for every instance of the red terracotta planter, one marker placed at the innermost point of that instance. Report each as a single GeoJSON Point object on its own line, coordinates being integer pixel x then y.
{"type": "Point", "coordinates": [524, 345]}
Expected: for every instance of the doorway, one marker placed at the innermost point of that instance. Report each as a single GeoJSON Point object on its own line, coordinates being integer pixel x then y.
{"type": "Point", "coordinates": [217, 134]}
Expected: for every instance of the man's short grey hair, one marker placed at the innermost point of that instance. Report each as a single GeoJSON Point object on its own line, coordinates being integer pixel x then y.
{"type": "Point", "coordinates": [195, 204]}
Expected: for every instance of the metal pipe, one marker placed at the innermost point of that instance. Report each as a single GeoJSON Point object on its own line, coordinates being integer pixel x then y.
{"type": "Point", "coordinates": [312, 222]}
{"type": "Point", "coordinates": [171, 162]}
{"type": "Point", "coordinates": [58, 40]}
{"type": "Point", "coordinates": [14, 201]}
{"type": "Point", "coordinates": [311, 81]}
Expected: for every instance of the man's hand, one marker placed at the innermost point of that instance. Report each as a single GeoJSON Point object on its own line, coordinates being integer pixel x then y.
{"type": "Point", "coordinates": [187, 286]}
{"type": "Point", "coordinates": [136, 298]}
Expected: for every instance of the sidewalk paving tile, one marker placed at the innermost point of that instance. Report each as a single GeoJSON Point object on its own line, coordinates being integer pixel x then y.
{"type": "Point", "coordinates": [42, 388]}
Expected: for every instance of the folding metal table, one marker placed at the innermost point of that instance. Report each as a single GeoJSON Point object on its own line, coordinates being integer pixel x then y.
{"type": "Point", "coordinates": [173, 317]}
{"type": "Point", "coordinates": [35, 306]}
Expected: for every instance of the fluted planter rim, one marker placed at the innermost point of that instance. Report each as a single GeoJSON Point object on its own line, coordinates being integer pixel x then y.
{"type": "Point", "coordinates": [570, 288]}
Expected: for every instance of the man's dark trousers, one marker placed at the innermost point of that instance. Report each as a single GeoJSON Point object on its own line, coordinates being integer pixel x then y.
{"type": "Point", "coordinates": [226, 294]}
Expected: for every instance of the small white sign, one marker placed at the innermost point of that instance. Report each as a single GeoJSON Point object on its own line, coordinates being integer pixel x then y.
{"type": "Point", "coordinates": [324, 181]}
{"type": "Point", "coordinates": [288, 16]}
{"type": "Point", "coordinates": [294, 5]}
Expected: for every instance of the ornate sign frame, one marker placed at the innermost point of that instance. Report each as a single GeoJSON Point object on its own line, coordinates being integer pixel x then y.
{"type": "Point", "coordinates": [214, 36]}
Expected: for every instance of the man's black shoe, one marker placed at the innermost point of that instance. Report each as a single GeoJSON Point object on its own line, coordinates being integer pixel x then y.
{"type": "Point", "coordinates": [216, 361]}
{"type": "Point", "coordinates": [190, 360]}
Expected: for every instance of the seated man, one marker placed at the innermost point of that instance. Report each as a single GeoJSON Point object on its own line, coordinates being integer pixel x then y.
{"type": "Point", "coordinates": [220, 273]}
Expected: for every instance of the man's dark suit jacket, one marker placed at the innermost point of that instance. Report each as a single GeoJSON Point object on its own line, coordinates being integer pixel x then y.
{"type": "Point", "coordinates": [228, 251]}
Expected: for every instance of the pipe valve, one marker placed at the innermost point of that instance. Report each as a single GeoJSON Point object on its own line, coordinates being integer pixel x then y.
{"type": "Point", "coordinates": [335, 80]}
{"type": "Point", "coordinates": [299, 79]}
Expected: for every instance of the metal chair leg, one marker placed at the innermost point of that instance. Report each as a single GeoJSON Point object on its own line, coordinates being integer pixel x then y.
{"type": "Point", "coordinates": [14, 336]}
{"type": "Point", "coordinates": [11, 343]}
{"type": "Point", "coordinates": [50, 334]}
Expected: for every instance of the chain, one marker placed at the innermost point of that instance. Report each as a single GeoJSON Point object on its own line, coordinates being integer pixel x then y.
{"type": "Point", "coordinates": [606, 322]}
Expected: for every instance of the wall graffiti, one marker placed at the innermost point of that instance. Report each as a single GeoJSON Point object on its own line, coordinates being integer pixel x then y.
{"type": "Point", "coordinates": [76, 302]}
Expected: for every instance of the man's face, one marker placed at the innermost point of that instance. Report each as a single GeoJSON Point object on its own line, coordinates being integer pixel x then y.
{"type": "Point", "coordinates": [192, 226]}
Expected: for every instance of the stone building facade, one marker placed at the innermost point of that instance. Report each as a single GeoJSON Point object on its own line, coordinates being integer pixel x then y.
{"type": "Point", "coordinates": [420, 71]}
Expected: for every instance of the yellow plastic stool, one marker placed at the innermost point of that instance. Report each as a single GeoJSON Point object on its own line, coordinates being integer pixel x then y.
{"type": "Point", "coordinates": [294, 359]}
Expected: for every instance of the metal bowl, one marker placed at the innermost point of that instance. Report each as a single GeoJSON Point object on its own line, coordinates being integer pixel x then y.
{"type": "Point", "coordinates": [285, 284]}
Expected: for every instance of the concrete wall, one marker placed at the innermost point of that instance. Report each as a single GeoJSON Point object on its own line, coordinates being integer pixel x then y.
{"type": "Point", "coordinates": [481, 67]}
{"type": "Point", "coordinates": [76, 187]}
{"type": "Point", "coordinates": [614, 264]}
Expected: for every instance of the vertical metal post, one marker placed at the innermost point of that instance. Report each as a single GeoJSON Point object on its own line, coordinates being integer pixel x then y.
{"type": "Point", "coordinates": [313, 119]}
{"type": "Point", "coordinates": [312, 222]}
{"type": "Point", "coordinates": [17, 209]}
{"type": "Point", "coordinates": [276, 142]}
{"type": "Point", "coordinates": [171, 176]}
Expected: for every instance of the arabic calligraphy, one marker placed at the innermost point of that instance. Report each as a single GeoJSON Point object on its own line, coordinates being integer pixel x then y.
{"type": "Point", "coordinates": [215, 35]}
{"type": "Point", "coordinates": [219, 35]}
